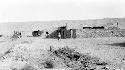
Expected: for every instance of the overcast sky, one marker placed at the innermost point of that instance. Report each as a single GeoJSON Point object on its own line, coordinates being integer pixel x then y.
{"type": "Point", "coordinates": [44, 10]}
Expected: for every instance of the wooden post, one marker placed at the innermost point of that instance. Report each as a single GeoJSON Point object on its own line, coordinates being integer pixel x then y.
{"type": "Point", "coordinates": [71, 33]}
{"type": "Point", "coordinates": [66, 26]}
{"type": "Point", "coordinates": [117, 24]}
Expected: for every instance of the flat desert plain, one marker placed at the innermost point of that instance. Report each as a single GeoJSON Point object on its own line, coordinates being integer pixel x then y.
{"type": "Point", "coordinates": [19, 53]}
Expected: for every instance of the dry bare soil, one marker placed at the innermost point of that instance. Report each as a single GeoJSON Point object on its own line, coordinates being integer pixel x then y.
{"type": "Point", "coordinates": [24, 52]}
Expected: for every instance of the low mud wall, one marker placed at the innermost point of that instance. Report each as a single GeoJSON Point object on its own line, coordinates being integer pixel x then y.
{"type": "Point", "coordinates": [94, 33]}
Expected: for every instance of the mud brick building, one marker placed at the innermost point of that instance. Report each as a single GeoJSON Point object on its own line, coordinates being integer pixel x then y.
{"type": "Point", "coordinates": [65, 33]}
{"type": "Point", "coordinates": [36, 33]}
{"type": "Point", "coordinates": [87, 32]}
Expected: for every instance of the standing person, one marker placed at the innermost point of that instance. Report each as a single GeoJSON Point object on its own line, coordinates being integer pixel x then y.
{"type": "Point", "coordinates": [59, 35]}
{"type": "Point", "coordinates": [47, 33]}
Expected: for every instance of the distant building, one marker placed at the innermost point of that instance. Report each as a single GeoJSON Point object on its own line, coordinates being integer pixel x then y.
{"type": "Point", "coordinates": [70, 33]}
{"type": "Point", "coordinates": [1, 35]}
{"type": "Point", "coordinates": [36, 33]}
{"type": "Point", "coordinates": [99, 27]}
{"type": "Point", "coordinates": [87, 27]}
{"type": "Point", "coordinates": [63, 31]}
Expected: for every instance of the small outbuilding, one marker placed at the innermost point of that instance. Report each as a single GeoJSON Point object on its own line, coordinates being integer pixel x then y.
{"type": "Point", "coordinates": [36, 33]}
{"type": "Point", "coordinates": [1, 35]}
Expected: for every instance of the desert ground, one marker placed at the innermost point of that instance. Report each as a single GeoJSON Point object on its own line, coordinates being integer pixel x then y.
{"type": "Point", "coordinates": [30, 51]}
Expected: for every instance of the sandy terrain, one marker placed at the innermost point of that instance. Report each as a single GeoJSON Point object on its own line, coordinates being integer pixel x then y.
{"type": "Point", "coordinates": [31, 49]}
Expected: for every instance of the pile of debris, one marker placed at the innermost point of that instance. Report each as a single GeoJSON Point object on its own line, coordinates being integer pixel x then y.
{"type": "Point", "coordinates": [16, 35]}
{"type": "Point", "coordinates": [95, 33]}
{"type": "Point", "coordinates": [78, 61]}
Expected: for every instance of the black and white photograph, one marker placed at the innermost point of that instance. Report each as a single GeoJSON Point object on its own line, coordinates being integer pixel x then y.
{"type": "Point", "coordinates": [62, 34]}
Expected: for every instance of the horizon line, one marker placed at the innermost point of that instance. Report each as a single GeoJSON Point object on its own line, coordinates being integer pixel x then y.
{"type": "Point", "coordinates": [61, 20]}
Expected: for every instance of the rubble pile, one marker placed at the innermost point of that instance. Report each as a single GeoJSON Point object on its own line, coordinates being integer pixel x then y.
{"type": "Point", "coordinates": [77, 61]}
{"type": "Point", "coordinates": [94, 33]}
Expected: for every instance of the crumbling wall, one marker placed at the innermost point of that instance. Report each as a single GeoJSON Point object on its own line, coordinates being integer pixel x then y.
{"type": "Point", "coordinates": [94, 33]}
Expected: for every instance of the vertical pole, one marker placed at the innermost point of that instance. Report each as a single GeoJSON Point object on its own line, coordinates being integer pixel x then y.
{"type": "Point", "coordinates": [66, 26]}
{"type": "Point", "coordinates": [117, 24]}
{"type": "Point", "coordinates": [71, 33]}
{"type": "Point", "coordinates": [66, 31]}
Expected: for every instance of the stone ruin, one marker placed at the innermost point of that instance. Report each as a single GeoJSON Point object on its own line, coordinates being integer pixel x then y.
{"type": "Point", "coordinates": [96, 33]}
